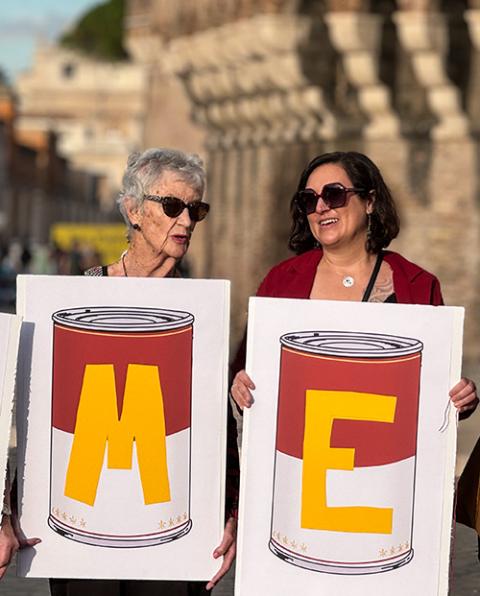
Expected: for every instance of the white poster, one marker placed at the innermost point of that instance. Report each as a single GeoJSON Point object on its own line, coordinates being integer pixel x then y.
{"type": "Point", "coordinates": [122, 426]}
{"type": "Point", "coordinates": [348, 452]}
{"type": "Point", "coordinates": [9, 338]}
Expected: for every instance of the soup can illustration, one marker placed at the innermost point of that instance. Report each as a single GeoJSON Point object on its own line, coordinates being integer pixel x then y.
{"type": "Point", "coordinates": [121, 423]}
{"type": "Point", "coordinates": [345, 453]}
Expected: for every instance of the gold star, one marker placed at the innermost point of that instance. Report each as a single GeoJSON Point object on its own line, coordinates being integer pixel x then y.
{"type": "Point", "coordinates": [64, 516]}
{"type": "Point", "coordinates": [179, 519]}
{"type": "Point", "coordinates": [285, 540]}
{"type": "Point", "coordinates": [303, 546]}
{"type": "Point", "coordinates": [293, 544]}
{"type": "Point", "coordinates": [73, 520]}
{"type": "Point", "coordinates": [392, 550]}
{"type": "Point", "coordinates": [162, 525]}
{"type": "Point", "coordinates": [171, 522]}
{"type": "Point", "coordinates": [83, 523]}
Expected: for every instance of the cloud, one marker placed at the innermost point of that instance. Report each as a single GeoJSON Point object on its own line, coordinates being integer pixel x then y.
{"type": "Point", "coordinates": [47, 25]}
{"type": "Point", "coordinates": [24, 22]}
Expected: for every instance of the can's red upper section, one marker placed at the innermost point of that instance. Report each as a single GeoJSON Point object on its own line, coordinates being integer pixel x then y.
{"type": "Point", "coordinates": [375, 443]}
{"type": "Point", "coordinates": [170, 351]}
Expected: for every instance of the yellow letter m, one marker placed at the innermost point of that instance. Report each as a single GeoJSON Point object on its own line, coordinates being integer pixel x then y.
{"type": "Point", "coordinates": [98, 423]}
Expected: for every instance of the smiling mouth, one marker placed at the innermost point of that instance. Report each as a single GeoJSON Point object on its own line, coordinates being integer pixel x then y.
{"type": "Point", "coordinates": [328, 222]}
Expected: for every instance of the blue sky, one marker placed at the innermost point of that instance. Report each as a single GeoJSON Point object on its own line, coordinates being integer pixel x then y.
{"type": "Point", "coordinates": [23, 22]}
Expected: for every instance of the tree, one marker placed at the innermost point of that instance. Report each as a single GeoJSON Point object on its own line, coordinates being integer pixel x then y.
{"type": "Point", "coordinates": [99, 33]}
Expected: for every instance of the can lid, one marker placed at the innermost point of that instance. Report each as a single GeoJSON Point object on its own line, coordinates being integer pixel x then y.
{"type": "Point", "coordinates": [351, 344]}
{"type": "Point", "coordinates": [122, 318]}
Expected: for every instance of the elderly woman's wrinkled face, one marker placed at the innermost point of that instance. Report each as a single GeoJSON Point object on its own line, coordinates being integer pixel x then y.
{"type": "Point", "coordinates": [162, 234]}
{"type": "Point", "coordinates": [337, 227]}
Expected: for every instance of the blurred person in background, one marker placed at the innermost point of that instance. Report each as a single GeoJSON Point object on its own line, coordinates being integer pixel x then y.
{"type": "Point", "coordinates": [90, 257]}
{"type": "Point", "coordinates": [75, 255]}
{"type": "Point", "coordinates": [343, 218]}
{"type": "Point", "coordinates": [60, 260]}
{"type": "Point", "coordinates": [43, 261]}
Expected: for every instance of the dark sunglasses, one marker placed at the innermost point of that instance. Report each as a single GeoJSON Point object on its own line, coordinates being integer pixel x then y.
{"type": "Point", "coordinates": [173, 207]}
{"type": "Point", "coordinates": [333, 195]}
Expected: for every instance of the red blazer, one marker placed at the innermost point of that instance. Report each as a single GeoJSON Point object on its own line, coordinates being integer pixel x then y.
{"type": "Point", "coordinates": [294, 278]}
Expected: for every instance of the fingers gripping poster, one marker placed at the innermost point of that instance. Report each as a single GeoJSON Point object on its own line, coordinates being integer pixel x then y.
{"type": "Point", "coordinates": [351, 441]}
{"type": "Point", "coordinates": [125, 406]}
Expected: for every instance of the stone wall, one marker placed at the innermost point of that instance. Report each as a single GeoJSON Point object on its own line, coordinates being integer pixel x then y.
{"type": "Point", "coordinates": [271, 84]}
{"type": "Point", "coordinates": [37, 185]}
{"type": "Point", "coordinates": [96, 108]}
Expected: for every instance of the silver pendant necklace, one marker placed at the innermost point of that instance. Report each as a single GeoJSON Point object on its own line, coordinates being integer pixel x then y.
{"type": "Point", "coordinates": [348, 281]}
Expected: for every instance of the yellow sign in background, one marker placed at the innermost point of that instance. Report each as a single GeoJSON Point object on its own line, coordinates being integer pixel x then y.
{"type": "Point", "coordinates": [108, 239]}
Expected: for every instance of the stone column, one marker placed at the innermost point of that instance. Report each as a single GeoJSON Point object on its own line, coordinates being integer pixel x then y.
{"type": "Point", "coordinates": [256, 102]}
{"type": "Point", "coordinates": [472, 17]}
{"type": "Point", "coordinates": [356, 36]}
{"type": "Point", "coordinates": [423, 35]}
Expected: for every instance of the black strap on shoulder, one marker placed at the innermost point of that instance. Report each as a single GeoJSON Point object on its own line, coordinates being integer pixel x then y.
{"type": "Point", "coordinates": [373, 277]}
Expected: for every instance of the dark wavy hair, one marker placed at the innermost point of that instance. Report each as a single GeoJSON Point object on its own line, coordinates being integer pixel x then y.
{"type": "Point", "coordinates": [384, 222]}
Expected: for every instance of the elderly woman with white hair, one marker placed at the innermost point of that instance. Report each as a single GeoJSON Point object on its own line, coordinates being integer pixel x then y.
{"type": "Point", "coordinates": [161, 202]}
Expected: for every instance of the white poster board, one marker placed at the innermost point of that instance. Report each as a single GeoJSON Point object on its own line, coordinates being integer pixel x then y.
{"type": "Point", "coordinates": [348, 452]}
{"type": "Point", "coordinates": [9, 339]}
{"type": "Point", "coordinates": [122, 426]}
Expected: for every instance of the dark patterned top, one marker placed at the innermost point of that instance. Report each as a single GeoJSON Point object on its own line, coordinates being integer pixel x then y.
{"type": "Point", "coordinates": [97, 271]}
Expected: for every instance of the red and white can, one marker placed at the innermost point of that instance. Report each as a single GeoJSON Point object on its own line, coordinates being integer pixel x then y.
{"type": "Point", "coordinates": [346, 451]}
{"type": "Point", "coordinates": [121, 420]}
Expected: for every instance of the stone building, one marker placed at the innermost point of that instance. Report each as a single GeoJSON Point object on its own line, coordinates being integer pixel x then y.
{"type": "Point", "coordinates": [37, 185]}
{"type": "Point", "coordinates": [271, 83]}
{"type": "Point", "coordinates": [95, 108]}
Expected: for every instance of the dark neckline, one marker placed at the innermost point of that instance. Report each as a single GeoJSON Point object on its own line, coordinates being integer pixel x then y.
{"type": "Point", "coordinates": [373, 277]}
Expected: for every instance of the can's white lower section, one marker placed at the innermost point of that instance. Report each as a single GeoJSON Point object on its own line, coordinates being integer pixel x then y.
{"type": "Point", "coordinates": [119, 516]}
{"type": "Point", "coordinates": [386, 486]}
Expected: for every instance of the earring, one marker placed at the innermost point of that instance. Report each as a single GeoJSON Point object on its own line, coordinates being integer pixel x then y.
{"type": "Point", "coordinates": [369, 226]}
{"type": "Point", "coordinates": [135, 226]}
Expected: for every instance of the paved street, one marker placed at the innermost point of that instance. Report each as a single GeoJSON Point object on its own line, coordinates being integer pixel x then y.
{"type": "Point", "coordinates": [12, 586]}
{"type": "Point", "coordinates": [466, 580]}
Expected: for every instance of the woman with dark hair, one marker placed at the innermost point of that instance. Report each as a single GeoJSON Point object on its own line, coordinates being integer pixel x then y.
{"type": "Point", "coordinates": [382, 219]}
{"type": "Point", "coordinates": [343, 218]}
